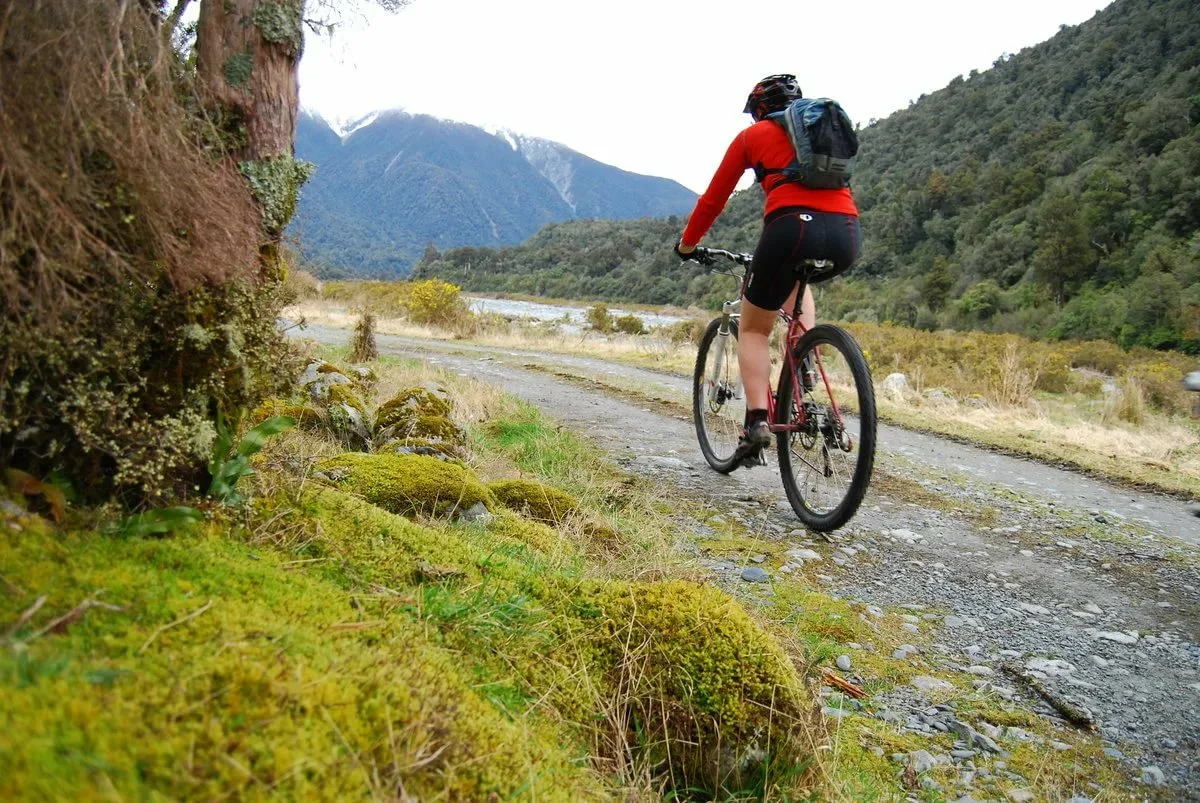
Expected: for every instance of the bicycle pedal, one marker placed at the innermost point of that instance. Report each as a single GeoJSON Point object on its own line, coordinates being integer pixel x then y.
{"type": "Point", "coordinates": [755, 458]}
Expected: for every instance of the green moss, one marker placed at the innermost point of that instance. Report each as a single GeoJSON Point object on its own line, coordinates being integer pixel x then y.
{"type": "Point", "coordinates": [407, 484]}
{"type": "Point", "coordinates": [279, 22]}
{"type": "Point", "coordinates": [345, 394]}
{"type": "Point", "coordinates": [406, 408]}
{"type": "Point", "coordinates": [422, 446]}
{"type": "Point", "coordinates": [535, 500]}
{"type": "Point", "coordinates": [703, 678]}
{"type": "Point", "coordinates": [304, 416]}
{"type": "Point", "coordinates": [238, 68]}
{"type": "Point", "coordinates": [534, 534]}
{"type": "Point", "coordinates": [276, 186]}
{"type": "Point", "coordinates": [223, 674]}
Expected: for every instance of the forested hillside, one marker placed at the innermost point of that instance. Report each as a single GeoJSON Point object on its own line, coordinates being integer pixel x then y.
{"type": "Point", "coordinates": [1056, 194]}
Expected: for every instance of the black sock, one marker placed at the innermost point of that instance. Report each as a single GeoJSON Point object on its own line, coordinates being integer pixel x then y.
{"type": "Point", "coordinates": [754, 416]}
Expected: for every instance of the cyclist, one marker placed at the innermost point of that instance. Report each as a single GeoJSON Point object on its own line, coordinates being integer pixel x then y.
{"type": "Point", "coordinates": [798, 223]}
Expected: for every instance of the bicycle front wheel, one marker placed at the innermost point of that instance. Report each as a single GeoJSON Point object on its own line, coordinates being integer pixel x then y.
{"type": "Point", "coordinates": [828, 453]}
{"type": "Point", "coordinates": [718, 402]}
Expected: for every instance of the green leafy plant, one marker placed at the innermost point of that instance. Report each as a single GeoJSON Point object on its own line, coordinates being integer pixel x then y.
{"type": "Point", "coordinates": [229, 464]}
{"type": "Point", "coordinates": [159, 521]}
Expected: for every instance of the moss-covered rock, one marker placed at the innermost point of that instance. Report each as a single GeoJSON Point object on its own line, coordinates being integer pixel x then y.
{"type": "Point", "coordinates": [430, 448]}
{"type": "Point", "coordinates": [406, 409]}
{"type": "Point", "coordinates": [417, 420]}
{"type": "Point", "coordinates": [701, 677]}
{"type": "Point", "coordinates": [535, 500]}
{"type": "Point", "coordinates": [407, 484]}
{"type": "Point", "coordinates": [304, 416]}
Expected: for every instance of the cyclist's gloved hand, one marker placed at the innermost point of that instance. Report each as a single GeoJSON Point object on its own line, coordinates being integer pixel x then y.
{"type": "Point", "coordinates": [697, 253]}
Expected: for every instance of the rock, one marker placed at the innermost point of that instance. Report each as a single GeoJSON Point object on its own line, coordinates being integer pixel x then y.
{"type": "Point", "coordinates": [1037, 610]}
{"type": "Point", "coordinates": [754, 574]}
{"type": "Point", "coordinates": [895, 383]}
{"type": "Point", "coordinates": [1153, 776]}
{"type": "Point", "coordinates": [1020, 795]}
{"type": "Point", "coordinates": [757, 558]}
{"type": "Point", "coordinates": [921, 761]}
{"type": "Point", "coordinates": [835, 713]}
{"type": "Point", "coordinates": [907, 536]}
{"type": "Point", "coordinates": [843, 663]}
{"type": "Point", "coordinates": [982, 671]}
{"type": "Point", "coordinates": [926, 684]}
{"type": "Point", "coordinates": [803, 554]}
{"type": "Point", "coordinates": [1130, 637]}
{"type": "Point", "coordinates": [1050, 666]}
{"type": "Point", "coordinates": [476, 513]}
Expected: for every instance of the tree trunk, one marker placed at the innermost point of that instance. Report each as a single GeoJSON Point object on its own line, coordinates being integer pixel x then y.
{"type": "Point", "coordinates": [248, 52]}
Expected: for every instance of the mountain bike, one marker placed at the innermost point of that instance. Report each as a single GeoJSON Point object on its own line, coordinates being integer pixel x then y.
{"type": "Point", "coordinates": [821, 410]}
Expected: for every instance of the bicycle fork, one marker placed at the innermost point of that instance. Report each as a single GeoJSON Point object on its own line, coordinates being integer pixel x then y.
{"type": "Point", "coordinates": [718, 391]}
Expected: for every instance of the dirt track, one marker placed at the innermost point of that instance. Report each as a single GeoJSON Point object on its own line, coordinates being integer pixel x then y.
{"type": "Point", "coordinates": [1093, 588]}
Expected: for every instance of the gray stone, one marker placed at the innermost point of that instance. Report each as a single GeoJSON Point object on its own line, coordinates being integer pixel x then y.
{"type": "Point", "coordinates": [843, 663]}
{"type": "Point", "coordinates": [895, 383]}
{"type": "Point", "coordinates": [1117, 636]}
{"type": "Point", "coordinates": [1153, 776]}
{"type": "Point", "coordinates": [926, 684]}
{"type": "Point", "coordinates": [921, 761]}
{"type": "Point", "coordinates": [1037, 610]}
{"type": "Point", "coordinates": [985, 742]}
{"type": "Point", "coordinates": [754, 574]}
{"type": "Point", "coordinates": [1020, 795]}
{"type": "Point", "coordinates": [477, 512]}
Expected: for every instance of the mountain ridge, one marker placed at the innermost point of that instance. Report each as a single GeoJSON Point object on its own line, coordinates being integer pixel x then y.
{"type": "Point", "coordinates": [391, 183]}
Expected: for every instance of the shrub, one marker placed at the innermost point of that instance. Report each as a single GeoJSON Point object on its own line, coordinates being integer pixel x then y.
{"type": "Point", "coordinates": [689, 331]}
{"type": "Point", "coordinates": [433, 301]}
{"type": "Point", "coordinates": [362, 346]}
{"type": "Point", "coordinates": [630, 324]}
{"type": "Point", "coordinates": [599, 319]}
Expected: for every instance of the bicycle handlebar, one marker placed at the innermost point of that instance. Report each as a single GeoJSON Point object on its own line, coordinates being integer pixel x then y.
{"type": "Point", "coordinates": [705, 255]}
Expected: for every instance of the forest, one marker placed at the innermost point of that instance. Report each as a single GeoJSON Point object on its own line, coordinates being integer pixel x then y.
{"type": "Point", "coordinates": [1055, 195]}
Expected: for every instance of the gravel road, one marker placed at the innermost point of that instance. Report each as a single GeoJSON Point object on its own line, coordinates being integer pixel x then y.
{"type": "Point", "coordinates": [1092, 589]}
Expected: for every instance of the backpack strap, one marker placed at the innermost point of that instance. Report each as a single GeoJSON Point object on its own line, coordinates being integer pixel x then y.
{"type": "Point", "coordinates": [760, 172]}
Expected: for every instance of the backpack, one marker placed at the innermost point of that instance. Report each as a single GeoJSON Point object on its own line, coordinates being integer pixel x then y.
{"type": "Point", "coordinates": [824, 142]}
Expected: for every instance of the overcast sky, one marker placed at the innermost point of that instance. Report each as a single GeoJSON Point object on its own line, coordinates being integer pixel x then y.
{"type": "Point", "coordinates": [657, 86]}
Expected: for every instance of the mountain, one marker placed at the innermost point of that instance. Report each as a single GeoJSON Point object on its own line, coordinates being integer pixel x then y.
{"type": "Point", "coordinates": [1056, 194]}
{"type": "Point", "coordinates": [394, 183]}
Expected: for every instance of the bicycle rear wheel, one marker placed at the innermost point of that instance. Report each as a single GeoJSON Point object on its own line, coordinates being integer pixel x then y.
{"type": "Point", "coordinates": [826, 462]}
{"type": "Point", "coordinates": [718, 403]}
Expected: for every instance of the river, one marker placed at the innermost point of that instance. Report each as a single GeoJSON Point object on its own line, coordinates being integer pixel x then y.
{"type": "Point", "coordinates": [571, 317]}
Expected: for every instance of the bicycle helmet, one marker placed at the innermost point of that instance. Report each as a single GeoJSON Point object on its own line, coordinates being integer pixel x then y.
{"type": "Point", "coordinates": [772, 94]}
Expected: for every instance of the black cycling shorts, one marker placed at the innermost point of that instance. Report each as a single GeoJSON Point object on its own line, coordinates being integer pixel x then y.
{"type": "Point", "coordinates": [793, 234]}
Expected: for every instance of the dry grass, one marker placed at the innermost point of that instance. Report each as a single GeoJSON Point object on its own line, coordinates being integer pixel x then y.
{"type": "Point", "coordinates": [983, 388]}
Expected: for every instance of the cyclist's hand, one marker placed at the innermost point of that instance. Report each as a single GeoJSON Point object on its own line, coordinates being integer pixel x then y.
{"type": "Point", "coordinates": [698, 253]}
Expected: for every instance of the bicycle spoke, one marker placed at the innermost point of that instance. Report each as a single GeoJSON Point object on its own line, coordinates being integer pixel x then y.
{"type": "Point", "coordinates": [824, 481]}
{"type": "Point", "coordinates": [718, 403]}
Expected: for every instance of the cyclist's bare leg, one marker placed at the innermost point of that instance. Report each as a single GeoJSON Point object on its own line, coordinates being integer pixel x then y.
{"type": "Point", "coordinates": [808, 307]}
{"type": "Point", "coordinates": [754, 357]}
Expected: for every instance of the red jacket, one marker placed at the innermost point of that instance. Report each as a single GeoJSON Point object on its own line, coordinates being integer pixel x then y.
{"type": "Point", "coordinates": [764, 143]}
